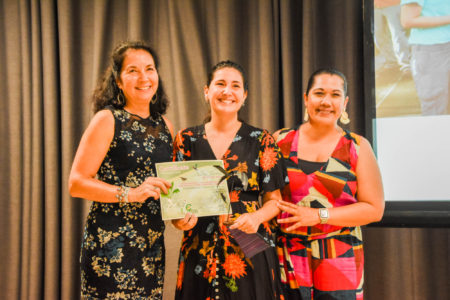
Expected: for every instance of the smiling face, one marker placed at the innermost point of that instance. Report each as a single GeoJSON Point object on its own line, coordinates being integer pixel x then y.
{"type": "Point", "coordinates": [226, 93]}
{"type": "Point", "coordinates": [326, 99]}
{"type": "Point", "coordinates": [138, 78]}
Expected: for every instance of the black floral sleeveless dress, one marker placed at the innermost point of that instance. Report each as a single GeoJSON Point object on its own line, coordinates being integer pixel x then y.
{"type": "Point", "coordinates": [122, 252]}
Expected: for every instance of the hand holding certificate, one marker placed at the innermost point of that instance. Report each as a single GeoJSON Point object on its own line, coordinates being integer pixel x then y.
{"type": "Point", "coordinates": [197, 187]}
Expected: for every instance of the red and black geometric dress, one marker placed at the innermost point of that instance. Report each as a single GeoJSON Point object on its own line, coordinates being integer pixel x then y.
{"type": "Point", "coordinates": [321, 261]}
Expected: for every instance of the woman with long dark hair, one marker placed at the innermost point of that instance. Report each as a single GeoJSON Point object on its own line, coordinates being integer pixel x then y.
{"type": "Point", "coordinates": [122, 254]}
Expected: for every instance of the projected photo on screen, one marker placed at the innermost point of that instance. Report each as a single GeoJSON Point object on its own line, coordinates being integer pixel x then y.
{"type": "Point", "coordinates": [411, 130]}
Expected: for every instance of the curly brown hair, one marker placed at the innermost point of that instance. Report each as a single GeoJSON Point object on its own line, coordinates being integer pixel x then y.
{"type": "Point", "coordinates": [108, 93]}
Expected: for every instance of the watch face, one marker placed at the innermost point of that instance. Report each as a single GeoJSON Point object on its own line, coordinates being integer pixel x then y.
{"type": "Point", "coordinates": [323, 213]}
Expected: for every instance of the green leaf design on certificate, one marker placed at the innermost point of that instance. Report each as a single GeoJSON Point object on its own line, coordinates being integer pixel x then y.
{"type": "Point", "coordinates": [197, 186]}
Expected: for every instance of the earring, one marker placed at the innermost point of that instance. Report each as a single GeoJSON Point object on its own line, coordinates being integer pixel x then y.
{"type": "Point", "coordinates": [120, 98]}
{"type": "Point", "coordinates": [154, 99]}
{"type": "Point", "coordinates": [306, 116]}
{"type": "Point", "coordinates": [344, 118]}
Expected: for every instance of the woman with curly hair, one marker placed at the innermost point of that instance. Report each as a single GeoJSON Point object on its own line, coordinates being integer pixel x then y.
{"type": "Point", "coordinates": [122, 254]}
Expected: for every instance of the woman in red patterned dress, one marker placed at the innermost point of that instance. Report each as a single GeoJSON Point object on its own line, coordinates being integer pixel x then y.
{"type": "Point", "coordinates": [335, 187]}
{"type": "Point", "coordinates": [212, 264]}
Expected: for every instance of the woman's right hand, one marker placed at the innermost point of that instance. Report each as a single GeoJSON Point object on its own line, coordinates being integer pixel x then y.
{"type": "Point", "coordinates": [300, 216]}
{"type": "Point", "coordinates": [151, 187]}
{"type": "Point", "coordinates": [225, 220]}
{"type": "Point", "coordinates": [187, 223]}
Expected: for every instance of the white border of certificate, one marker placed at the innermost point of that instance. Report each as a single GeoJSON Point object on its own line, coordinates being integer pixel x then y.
{"type": "Point", "coordinates": [198, 187]}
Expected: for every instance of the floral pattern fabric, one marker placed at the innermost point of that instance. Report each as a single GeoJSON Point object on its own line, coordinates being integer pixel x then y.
{"type": "Point", "coordinates": [122, 254]}
{"type": "Point", "coordinates": [321, 261]}
{"type": "Point", "coordinates": [212, 265]}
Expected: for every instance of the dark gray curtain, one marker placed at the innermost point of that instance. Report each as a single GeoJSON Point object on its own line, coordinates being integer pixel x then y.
{"type": "Point", "coordinates": [51, 56]}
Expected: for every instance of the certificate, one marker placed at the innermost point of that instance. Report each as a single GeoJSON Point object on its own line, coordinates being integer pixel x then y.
{"type": "Point", "coordinates": [197, 186]}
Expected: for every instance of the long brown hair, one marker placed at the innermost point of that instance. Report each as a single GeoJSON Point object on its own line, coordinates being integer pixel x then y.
{"type": "Point", "coordinates": [108, 93]}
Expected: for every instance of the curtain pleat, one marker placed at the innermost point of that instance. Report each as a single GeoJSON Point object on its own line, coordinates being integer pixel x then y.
{"type": "Point", "coordinates": [53, 53]}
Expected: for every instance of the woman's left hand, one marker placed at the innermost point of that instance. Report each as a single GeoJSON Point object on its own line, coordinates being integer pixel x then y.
{"type": "Point", "coordinates": [248, 223]}
{"type": "Point", "coordinates": [301, 216]}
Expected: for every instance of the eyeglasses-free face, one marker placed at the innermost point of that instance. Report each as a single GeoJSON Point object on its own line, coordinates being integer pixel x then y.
{"type": "Point", "coordinates": [226, 93]}
{"type": "Point", "coordinates": [326, 99]}
{"type": "Point", "coordinates": [138, 78]}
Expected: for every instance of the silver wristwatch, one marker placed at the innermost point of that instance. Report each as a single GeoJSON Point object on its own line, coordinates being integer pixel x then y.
{"type": "Point", "coordinates": [323, 215]}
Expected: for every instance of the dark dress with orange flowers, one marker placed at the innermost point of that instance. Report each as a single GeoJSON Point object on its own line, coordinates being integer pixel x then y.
{"type": "Point", "coordinates": [212, 265]}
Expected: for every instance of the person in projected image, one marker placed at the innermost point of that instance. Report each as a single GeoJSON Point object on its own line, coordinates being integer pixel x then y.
{"type": "Point", "coordinates": [122, 252]}
{"type": "Point", "coordinates": [212, 263]}
{"type": "Point", "coordinates": [334, 187]}
{"type": "Point", "coordinates": [391, 39]}
{"type": "Point", "coordinates": [429, 21]}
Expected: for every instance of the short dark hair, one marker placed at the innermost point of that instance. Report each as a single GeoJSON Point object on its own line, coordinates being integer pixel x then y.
{"type": "Point", "coordinates": [329, 71]}
{"type": "Point", "coordinates": [106, 93]}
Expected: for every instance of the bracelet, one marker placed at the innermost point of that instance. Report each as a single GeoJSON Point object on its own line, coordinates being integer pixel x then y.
{"type": "Point", "coordinates": [122, 194]}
